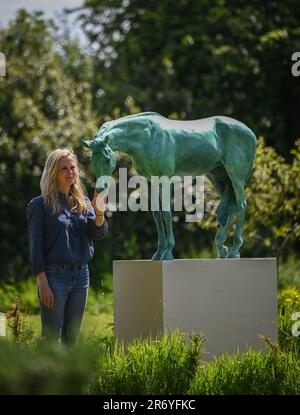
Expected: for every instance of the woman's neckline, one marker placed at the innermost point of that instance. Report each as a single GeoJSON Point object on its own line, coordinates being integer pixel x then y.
{"type": "Point", "coordinates": [62, 194]}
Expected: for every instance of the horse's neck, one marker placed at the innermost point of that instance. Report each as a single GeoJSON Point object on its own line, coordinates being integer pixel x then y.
{"type": "Point", "coordinates": [129, 141]}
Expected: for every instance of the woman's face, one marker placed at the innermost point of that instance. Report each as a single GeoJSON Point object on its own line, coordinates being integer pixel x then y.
{"type": "Point", "coordinates": [67, 171]}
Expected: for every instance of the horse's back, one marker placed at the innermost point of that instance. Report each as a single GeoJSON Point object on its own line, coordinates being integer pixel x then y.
{"type": "Point", "coordinates": [200, 125]}
{"type": "Point", "coordinates": [203, 143]}
{"type": "Point", "coordinates": [232, 133]}
{"type": "Point", "coordinates": [230, 124]}
{"type": "Point", "coordinates": [218, 131]}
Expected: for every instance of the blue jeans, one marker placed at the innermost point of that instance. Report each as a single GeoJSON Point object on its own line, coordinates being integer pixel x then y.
{"type": "Point", "coordinates": [69, 285]}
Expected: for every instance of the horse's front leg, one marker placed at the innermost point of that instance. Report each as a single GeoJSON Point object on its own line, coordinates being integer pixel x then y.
{"type": "Point", "coordinates": [162, 240]}
{"type": "Point", "coordinates": [168, 252]}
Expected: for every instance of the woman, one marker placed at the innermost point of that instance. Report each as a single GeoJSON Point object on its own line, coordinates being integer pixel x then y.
{"type": "Point", "coordinates": [62, 222]}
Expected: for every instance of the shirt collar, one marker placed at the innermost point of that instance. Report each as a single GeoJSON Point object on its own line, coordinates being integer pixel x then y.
{"type": "Point", "coordinates": [62, 195]}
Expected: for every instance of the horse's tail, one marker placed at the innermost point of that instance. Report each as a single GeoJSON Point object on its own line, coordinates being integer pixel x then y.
{"type": "Point", "coordinates": [227, 206]}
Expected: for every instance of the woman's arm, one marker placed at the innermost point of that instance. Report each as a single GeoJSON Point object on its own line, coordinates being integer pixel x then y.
{"type": "Point", "coordinates": [97, 225]}
{"type": "Point", "coordinates": [45, 292]}
{"type": "Point", "coordinates": [99, 220]}
{"type": "Point", "coordinates": [36, 230]}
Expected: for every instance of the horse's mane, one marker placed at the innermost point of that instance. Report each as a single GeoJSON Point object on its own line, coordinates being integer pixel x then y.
{"type": "Point", "coordinates": [141, 114]}
{"type": "Point", "coordinates": [126, 117]}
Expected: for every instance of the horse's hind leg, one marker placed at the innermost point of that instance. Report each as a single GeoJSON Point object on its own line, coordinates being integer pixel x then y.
{"type": "Point", "coordinates": [225, 214]}
{"type": "Point", "coordinates": [238, 187]}
{"type": "Point", "coordinates": [225, 211]}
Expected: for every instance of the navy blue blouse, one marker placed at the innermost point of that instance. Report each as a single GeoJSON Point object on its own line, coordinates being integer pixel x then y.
{"type": "Point", "coordinates": [64, 238]}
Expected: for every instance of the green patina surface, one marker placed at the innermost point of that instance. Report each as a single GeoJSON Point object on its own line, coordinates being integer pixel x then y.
{"type": "Point", "coordinates": [219, 147]}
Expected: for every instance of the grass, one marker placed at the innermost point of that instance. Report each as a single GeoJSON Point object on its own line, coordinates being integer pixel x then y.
{"type": "Point", "coordinates": [172, 364]}
{"type": "Point", "coordinates": [46, 368]}
{"type": "Point", "coordinates": [98, 301]}
{"type": "Point", "coordinates": [102, 300]}
{"type": "Point", "coordinates": [251, 373]}
{"type": "Point", "coordinates": [158, 366]}
{"type": "Point", "coordinates": [92, 325]}
{"type": "Point", "coordinates": [289, 273]}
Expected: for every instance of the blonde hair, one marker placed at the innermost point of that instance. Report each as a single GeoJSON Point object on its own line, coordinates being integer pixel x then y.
{"type": "Point", "coordinates": [49, 187]}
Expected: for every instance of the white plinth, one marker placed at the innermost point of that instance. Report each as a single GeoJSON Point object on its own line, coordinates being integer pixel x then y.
{"type": "Point", "coordinates": [231, 301]}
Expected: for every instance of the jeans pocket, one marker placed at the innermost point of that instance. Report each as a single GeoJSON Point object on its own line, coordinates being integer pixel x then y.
{"type": "Point", "coordinates": [83, 278]}
{"type": "Point", "coordinates": [52, 272]}
{"type": "Point", "coordinates": [59, 281]}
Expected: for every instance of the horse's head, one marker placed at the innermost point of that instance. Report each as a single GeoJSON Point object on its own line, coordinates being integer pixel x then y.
{"type": "Point", "coordinates": [103, 158]}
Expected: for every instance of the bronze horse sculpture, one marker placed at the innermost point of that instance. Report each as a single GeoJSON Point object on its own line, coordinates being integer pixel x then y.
{"type": "Point", "coordinates": [219, 147]}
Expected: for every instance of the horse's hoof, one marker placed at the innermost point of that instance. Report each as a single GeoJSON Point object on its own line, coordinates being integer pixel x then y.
{"type": "Point", "coordinates": [157, 255]}
{"type": "Point", "coordinates": [167, 254]}
{"type": "Point", "coordinates": [223, 252]}
{"type": "Point", "coordinates": [233, 255]}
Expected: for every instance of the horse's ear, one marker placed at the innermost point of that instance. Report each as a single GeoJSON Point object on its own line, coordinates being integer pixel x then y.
{"type": "Point", "coordinates": [106, 140]}
{"type": "Point", "coordinates": [90, 144]}
{"type": "Point", "coordinates": [87, 143]}
{"type": "Point", "coordinates": [110, 134]}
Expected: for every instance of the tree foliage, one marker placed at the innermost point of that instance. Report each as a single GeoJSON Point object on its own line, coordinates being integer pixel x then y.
{"type": "Point", "coordinates": [195, 58]}
{"type": "Point", "coordinates": [272, 224]}
{"type": "Point", "coordinates": [43, 105]}
{"type": "Point", "coordinates": [185, 59]}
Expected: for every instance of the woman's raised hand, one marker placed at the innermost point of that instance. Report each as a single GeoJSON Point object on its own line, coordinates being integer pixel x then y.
{"type": "Point", "coordinates": [98, 203]}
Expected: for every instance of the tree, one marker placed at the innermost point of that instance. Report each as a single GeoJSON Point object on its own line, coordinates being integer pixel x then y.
{"type": "Point", "coordinates": [195, 58]}
{"type": "Point", "coordinates": [272, 225]}
{"type": "Point", "coordinates": [44, 104]}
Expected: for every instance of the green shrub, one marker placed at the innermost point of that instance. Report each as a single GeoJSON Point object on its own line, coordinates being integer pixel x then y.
{"type": "Point", "coordinates": [260, 373]}
{"type": "Point", "coordinates": [46, 369]}
{"type": "Point", "coordinates": [172, 364]}
{"type": "Point", "coordinates": [157, 366]}
{"type": "Point", "coordinates": [98, 301]}
{"type": "Point", "coordinates": [25, 290]}
{"type": "Point", "coordinates": [288, 304]}
{"type": "Point", "coordinates": [289, 272]}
